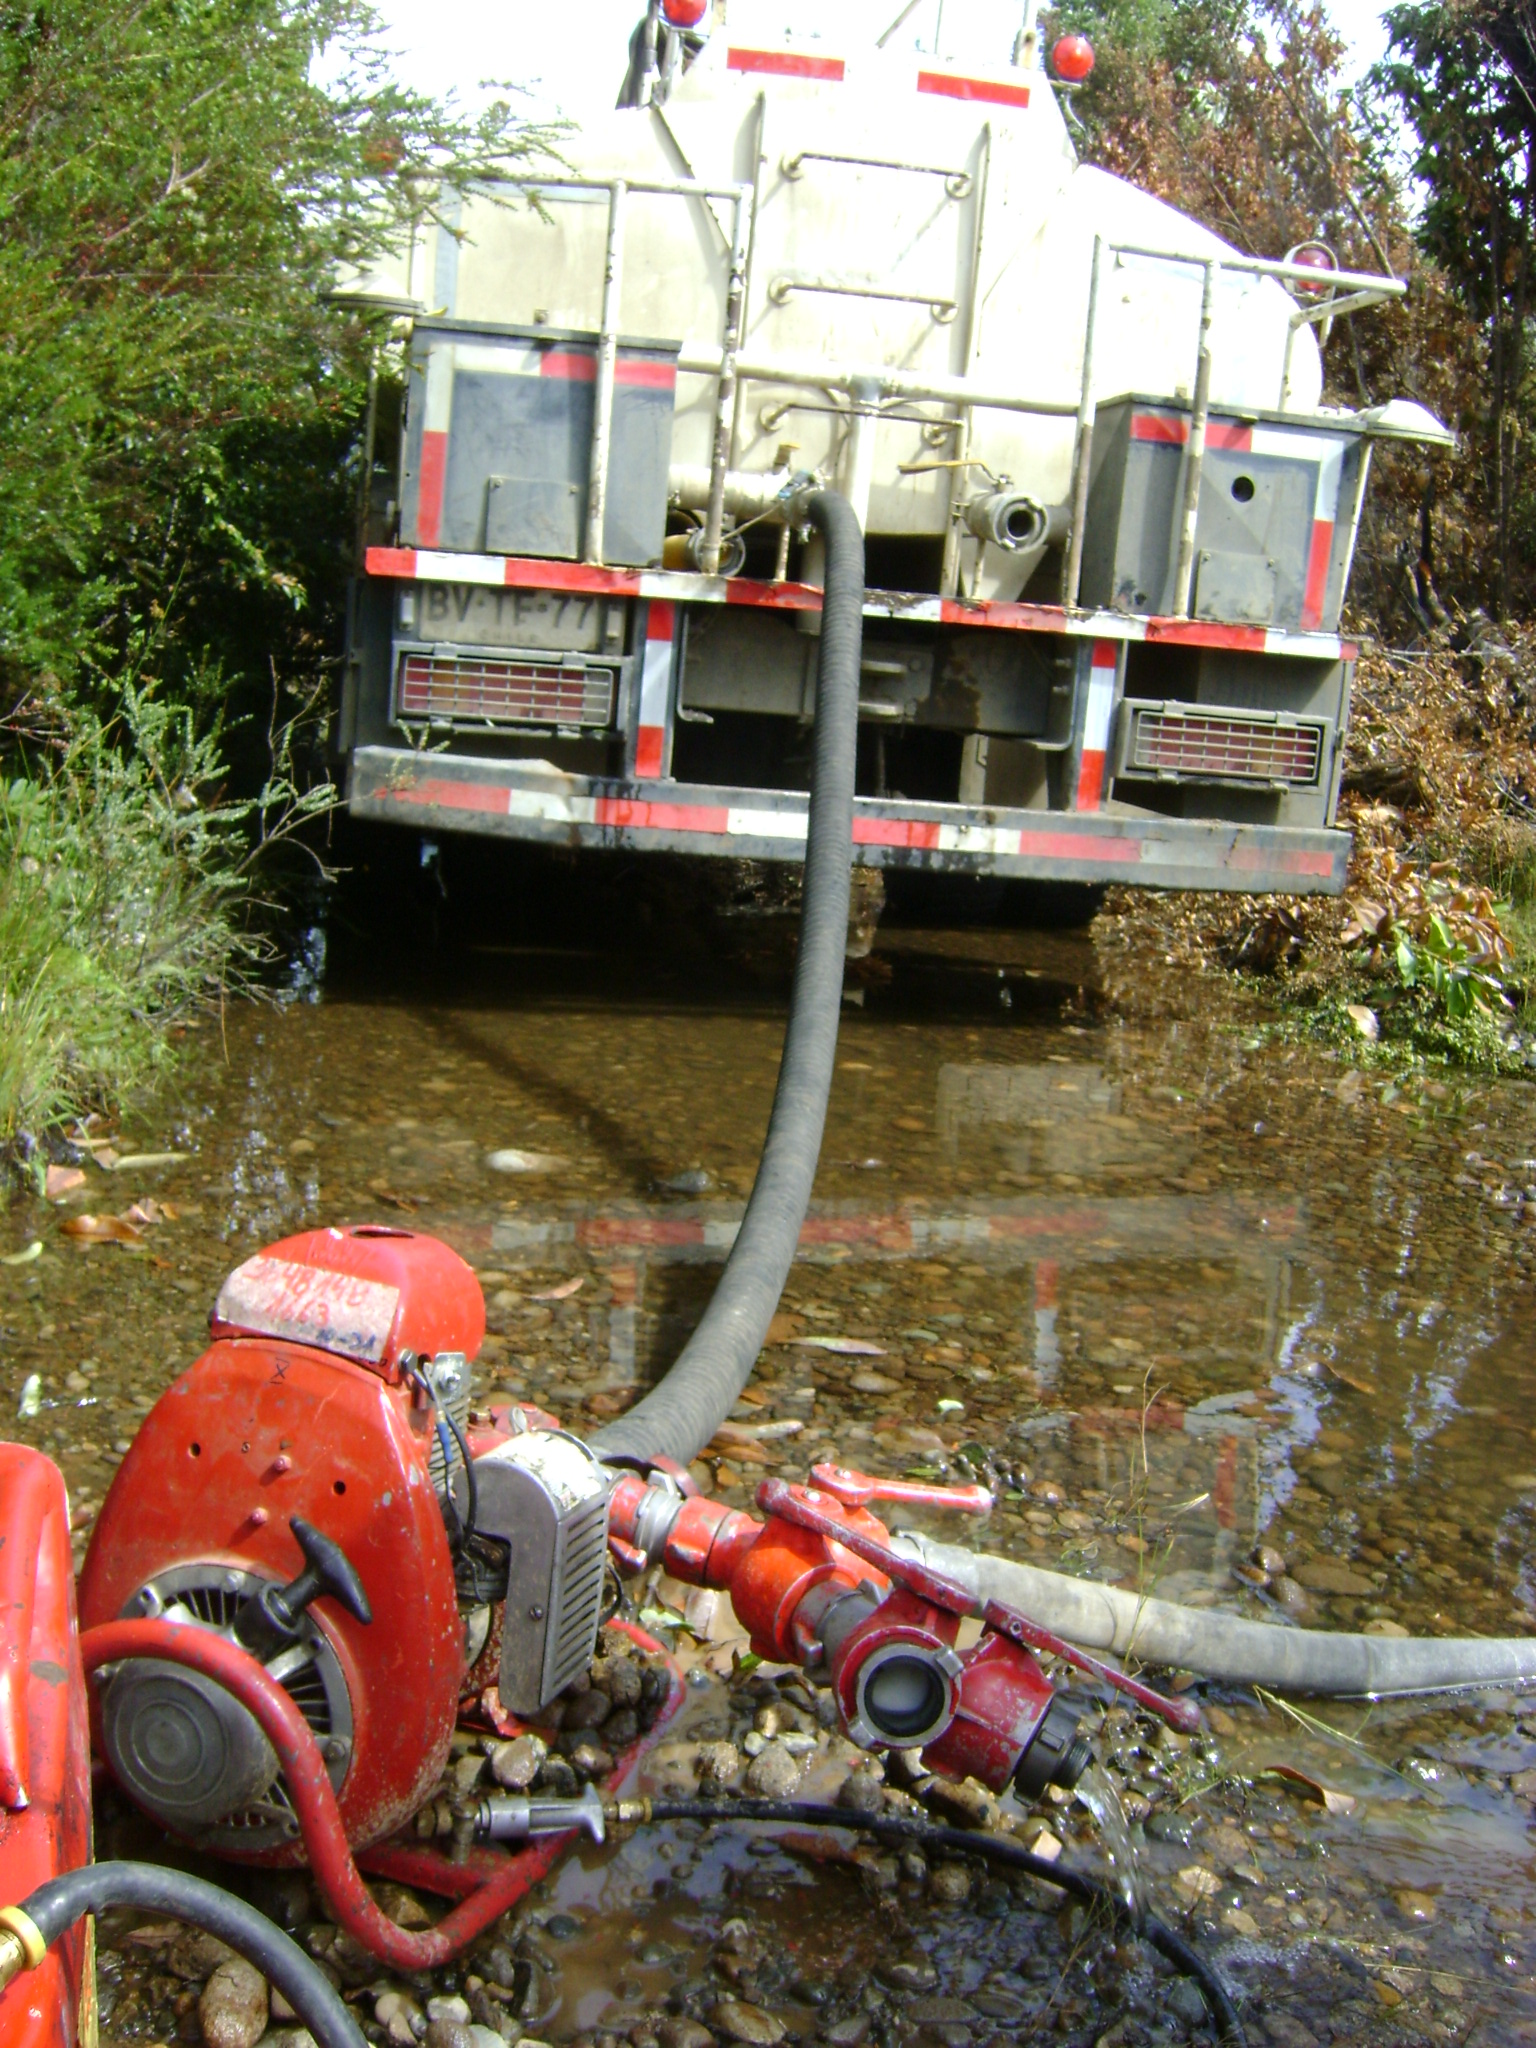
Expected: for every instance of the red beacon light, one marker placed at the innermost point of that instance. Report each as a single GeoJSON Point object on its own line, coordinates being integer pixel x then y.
{"type": "Point", "coordinates": [684, 13]}
{"type": "Point", "coordinates": [1312, 256]}
{"type": "Point", "coordinates": [1072, 59]}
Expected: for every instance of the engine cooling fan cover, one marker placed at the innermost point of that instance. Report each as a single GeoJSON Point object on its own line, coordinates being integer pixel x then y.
{"type": "Point", "coordinates": [191, 1755]}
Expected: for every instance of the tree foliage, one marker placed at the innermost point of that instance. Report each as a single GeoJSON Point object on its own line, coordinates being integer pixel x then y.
{"type": "Point", "coordinates": [179, 180]}
{"type": "Point", "coordinates": [1237, 114]}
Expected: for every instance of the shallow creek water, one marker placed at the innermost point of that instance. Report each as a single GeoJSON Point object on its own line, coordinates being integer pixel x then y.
{"type": "Point", "coordinates": [1191, 1293]}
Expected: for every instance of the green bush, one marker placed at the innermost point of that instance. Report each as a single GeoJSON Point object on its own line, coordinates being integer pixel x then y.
{"type": "Point", "coordinates": [127, 888]}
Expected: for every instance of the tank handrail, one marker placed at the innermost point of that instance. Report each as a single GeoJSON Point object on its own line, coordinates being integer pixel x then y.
{"type": "Point", "coordinates": [916, 385]}
{"type": "Point", "coordinates": [956, 183]}
{"type": "Point", "coordinates": [1379, 284]}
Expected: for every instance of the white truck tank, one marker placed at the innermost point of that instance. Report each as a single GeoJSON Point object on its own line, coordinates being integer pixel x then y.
{"type": "Point", "coordinates": [1044, 391]}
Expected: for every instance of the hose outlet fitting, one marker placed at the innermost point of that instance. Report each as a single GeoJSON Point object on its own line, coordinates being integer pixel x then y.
{"type": "Point", "coordinates": [1059, 1754]}
{"type": "Point", "coordinates": [1015, 522]}
{"type": "Point", "coordinates": [22, 1947]}
{"type": "Point", "coordinates": [517, 1818]}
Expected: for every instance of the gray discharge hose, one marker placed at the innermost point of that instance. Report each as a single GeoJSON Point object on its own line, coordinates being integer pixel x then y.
{"type": "Point", "coordinates": [680, 1415]}
{"type": "Point", "coordinates": [1224, 1645]}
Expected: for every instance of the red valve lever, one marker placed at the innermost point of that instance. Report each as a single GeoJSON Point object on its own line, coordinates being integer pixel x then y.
{"type": "Point", "coordinates": [776, 1498]}
{"type": "Point", "coordinates": [857, 1490]}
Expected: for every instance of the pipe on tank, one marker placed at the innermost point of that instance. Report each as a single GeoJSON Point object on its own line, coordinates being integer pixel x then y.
{"type": "Point", "coordinates": [747, 492]}
{"type": "Point", "coordinates": [1017, 522]}
{"type": "Point", "coordinates": [1225, 1646]}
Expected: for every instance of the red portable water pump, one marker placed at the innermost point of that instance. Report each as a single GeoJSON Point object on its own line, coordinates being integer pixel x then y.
{"type": "Point", "coordinates": [315, 1557]}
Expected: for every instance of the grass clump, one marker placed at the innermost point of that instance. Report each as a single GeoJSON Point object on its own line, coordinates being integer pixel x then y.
{"type": "Point", "coordinates": [127, 885]}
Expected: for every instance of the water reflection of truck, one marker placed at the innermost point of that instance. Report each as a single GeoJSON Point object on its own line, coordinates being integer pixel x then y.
{"type": "Point", "coordinates": [1109, 520]}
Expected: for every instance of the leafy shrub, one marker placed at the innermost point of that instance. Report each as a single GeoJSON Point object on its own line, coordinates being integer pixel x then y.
{"type": "Point", "coordinates": [1437, 933]}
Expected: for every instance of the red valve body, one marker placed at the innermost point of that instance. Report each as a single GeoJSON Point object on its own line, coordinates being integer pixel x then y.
{"type": "Point", "coordinates": [989, 1701]}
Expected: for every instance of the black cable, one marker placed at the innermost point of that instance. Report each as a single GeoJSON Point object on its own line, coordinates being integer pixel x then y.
{"type": "Point", "coordinates": [472, 1485]}
{"type": "Point", "coordinates": [55, 1907]}
{"type": "Point", "coordinates": [413, 1372]}
{"type": "Point", "coordinates": [997, 1849]}
{"type": "Point", "coordinates": [680, 1415]}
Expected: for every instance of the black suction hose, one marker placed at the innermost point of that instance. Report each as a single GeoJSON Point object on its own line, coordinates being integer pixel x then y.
{"type": "Point", "coordinates": [55, 1907]}
{"type": "Point", "coordinates": [893, 1827]}
{"type": "Point", "coordinates": [680, 1415]}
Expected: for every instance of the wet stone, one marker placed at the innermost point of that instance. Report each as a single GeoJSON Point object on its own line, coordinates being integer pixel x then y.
{"type": "Point", "coordinates": [861, 1792]}
{"type": "Point", "coordinates": [717, 1762]}
{"type": "Point", "coordinates": [950, 1884]}
{"type": "Point", "coordinates": [562, 1927]}
{"type": "Point", "coordinates": [849, 2033]}
{"type": "Point", "coordinates": [740, 2021]}
{"type": "Point", "coordinates": [775, 1774]}
{"type": "Point", "coordinates": [232, 2011]}
{"type": "Point", "coordinates": [683, 2032]}
{"type": "Point", "coordinates": [448, 2034]}
{"type": "Point", "coordinates": [587, 1710]}
{"type": "Point", "coordinates": [515, 1764]}
{"type": "Point", "coordinates": [908, 1973]}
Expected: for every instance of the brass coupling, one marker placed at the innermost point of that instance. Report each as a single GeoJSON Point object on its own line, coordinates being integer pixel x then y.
{"type": "Point", "coordinates": [21, 1946]}
{"type": "Point", "coordinates": [627, 1812]}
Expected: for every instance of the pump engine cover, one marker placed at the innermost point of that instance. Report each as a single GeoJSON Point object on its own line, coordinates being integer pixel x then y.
{"type": "Point", "coordinates": [259, 1431]}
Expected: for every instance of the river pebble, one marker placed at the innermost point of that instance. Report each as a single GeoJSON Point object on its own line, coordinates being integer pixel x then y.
{"type": "Point", "coordinates": [775, 1774]}
{"type": "Point", "coordinates": [232, 2011]}
{"type": "Point", "coordinates": [741, 2021]}
{"type": "Point", "coordinates": [515, 1764]}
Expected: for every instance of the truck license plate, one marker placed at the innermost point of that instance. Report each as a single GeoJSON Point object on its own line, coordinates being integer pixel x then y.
{"type": "Point", "coordinates": [480, 615]}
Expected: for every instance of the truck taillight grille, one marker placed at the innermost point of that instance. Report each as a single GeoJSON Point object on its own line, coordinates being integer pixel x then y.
{"type": "Point", "coordinates": [1207, 746]}
{"type": "Point", "coordinates": [475, 691]}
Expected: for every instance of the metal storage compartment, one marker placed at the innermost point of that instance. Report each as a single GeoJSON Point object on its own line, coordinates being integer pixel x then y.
{"type": "Point", "coordinates": [499, 442]}
{"type": "Point", "coordinates": [1275, 521]}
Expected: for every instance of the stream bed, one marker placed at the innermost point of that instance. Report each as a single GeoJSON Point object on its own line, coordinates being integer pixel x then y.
{"type": "Point", "coordinates": [1228, 1320]}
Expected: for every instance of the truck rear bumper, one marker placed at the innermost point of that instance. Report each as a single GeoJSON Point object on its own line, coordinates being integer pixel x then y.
{"type": "Point", "coordinates": [533, 801]}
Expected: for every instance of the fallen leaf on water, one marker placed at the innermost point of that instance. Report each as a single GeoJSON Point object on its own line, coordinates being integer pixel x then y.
{"type": "Point", "coordinates": [60, 1180]}
{"type": "Point", "coordinates": [563, 1292]}
{"type": "Point", "coordinates": [1360, 1386]}
{"type": "Point", "coordinates": [758, 1432]}
{"type": "Point", "coordinates": [102, 1229]}
{"type": "Point", "coordinates": [743, 1449]}
{"type": "Point", "coordinates": [1197, 1879]}
{"type": "Point", "coordinates": [1325, 1795]}
{"type": "Point", "coordinates": [26, 1255]}
{"type": "Point", "coordinates": [131, 1159]}
{"type": "Point", "coordinates": [150, 1211]}
{"type": "Point", "coordinates": [845, 1347]}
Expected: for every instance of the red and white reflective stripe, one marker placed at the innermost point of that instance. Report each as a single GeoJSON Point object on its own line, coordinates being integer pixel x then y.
{"type": "Point", "coordinates": [785, 64]}
{"type": "Point", "coordinates": [655, 689]}
{"type": "Point", "coordinates": [431, 565]}
{"type": "Point", "coordinates": [761, 821]}
{"type": "Point", "coordinates": [1101, 703]}
{"type": "Point", "coordinates": [432, 471]}
{"type": "Point", "coordinates": [957, 85]}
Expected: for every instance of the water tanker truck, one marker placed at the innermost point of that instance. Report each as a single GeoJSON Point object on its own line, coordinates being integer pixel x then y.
{"type": "Point", "coordinates": [1109, 520]}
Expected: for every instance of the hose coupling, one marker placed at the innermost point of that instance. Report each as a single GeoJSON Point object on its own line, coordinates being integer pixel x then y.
{"type": "Point", "coordinates": [624, 1813]}
{"type": "Point", "coordinates": [517, 1818]}
{"type": "Point", "coordinates": [22, 1947]}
